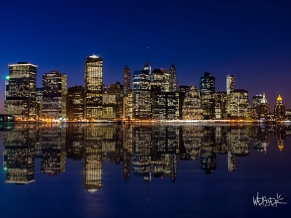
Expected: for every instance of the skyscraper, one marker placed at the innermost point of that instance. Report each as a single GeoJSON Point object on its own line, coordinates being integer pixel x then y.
{"type": "Point", "coordinates": [230, 83]}
{"type": "Point", "coordinates": [207, 91]}
{"type": "Point", "coordinates": [237, 104]}
{"type": "Point", "coordinates": [126, 80]}
{"type": "Point", "coordinates": [54, 86]}
{"type": "Point", "coordinates": [75, 103]}
{"type": "Point", "coordinates": [93, 80]}
{"type": "Point", "coordinates": [173, 78]}
{"type": "Point", "coordinates": [147, 67]}
{"type": "Point", "coordinates": [279, 109]}
{"type": "Point", "coordinates": [141, 95]}
{"type": "Point", "coordinates": [261, 105]}
{"type": "Point", "coordinates": [20, 91]}
{"type": "Point", "coordinates": [39, 100]}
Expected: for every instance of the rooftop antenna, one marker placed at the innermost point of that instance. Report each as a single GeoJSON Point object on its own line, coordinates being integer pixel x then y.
{"type": "Point", "coordinates": [147, 54]}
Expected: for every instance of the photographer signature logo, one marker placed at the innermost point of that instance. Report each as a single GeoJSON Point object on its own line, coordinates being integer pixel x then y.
{"type": "Point", "coordinates": [266, 202]}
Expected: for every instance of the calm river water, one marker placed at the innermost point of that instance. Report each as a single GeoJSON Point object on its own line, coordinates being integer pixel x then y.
{"type": "Point", "coordinates": [98, 170]}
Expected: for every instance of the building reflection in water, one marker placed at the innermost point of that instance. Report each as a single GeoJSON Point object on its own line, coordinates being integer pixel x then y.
{"type": "Point", "coordinates": [19, 154]}
{"type": "Point", "coordinates": [53, 149]}
{"type": "Point", "coordinates": [154, 150]}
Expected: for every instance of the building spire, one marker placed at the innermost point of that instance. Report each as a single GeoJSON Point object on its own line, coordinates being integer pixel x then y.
{"type": "Point", "coordinates": [147, 54]}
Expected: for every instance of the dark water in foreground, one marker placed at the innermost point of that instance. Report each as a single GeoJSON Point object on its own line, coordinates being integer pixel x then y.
{"type": "Point", "coordinates": [95, 170]}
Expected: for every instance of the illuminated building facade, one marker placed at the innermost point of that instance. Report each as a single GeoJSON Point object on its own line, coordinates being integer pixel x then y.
{"type": "Point", "coordinates": [39, 101]}
{"type": "Point", "coordinates": [261, 106]}
{"type": "Point", "coordinates": [165, 105]}
{"type": "Point", "coordinates": [220, 105]}
{"type": "Point", "coordinates": [237, 104]}
{"type": "Point", "coordinates": [157, 79]}
{"type": "Point", "coordinates": [53, 149]}
{"type": "Point", "coordinates": [19, 154]}
{"type": "Point", "coordinates": [230, 83]}
{"type": "Point", "coordinates": [192, 107]}
{"type": "Point", "coordinates": [20, 91]}
{"type": "Point", "coordinates": [54, 86]}
{"type": "Point", "coordinates": [173, 78]}
{"type": "Point", "coordinates": [207, 91]}
{"type": "Point", "coordinates": [148, 67]}
{"type": "Point", "coordinates": [113, 101]}
{"type": "Point", "coordinates": [75, 103]}
{"type": "Point", "coordinates": [93, 80]}
{"type": "Point", "coordinates": [110, 107]}
{"type": "Point", "coordinates": [279, 109]}
{"type": "Point", "coordinates": [141, 95]}
{"type": "Point", "coordinates": [126, 80]}
{"type": "Point", "coordinates": [166, 84]}
{"type": "Point", "coordinates": [128, 106]}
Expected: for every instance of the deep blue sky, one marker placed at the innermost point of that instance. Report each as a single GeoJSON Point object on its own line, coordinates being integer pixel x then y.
{"type": "Point", "coordinates": [250, 39]}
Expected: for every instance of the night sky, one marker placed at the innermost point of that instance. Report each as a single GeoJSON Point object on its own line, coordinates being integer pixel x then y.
{"type": "Point", "coordinates": [250, 39]}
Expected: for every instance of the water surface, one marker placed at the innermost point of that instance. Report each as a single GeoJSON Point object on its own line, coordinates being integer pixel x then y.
{"type": "Point", "coordinates": [91, 170]}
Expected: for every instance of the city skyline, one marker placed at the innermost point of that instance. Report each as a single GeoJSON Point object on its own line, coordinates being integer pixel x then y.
{"type": "Point", "coordinates": [242, 39]}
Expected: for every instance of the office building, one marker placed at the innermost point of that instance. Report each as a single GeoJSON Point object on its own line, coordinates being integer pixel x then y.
{"type": "Point", "coordinates": [261, 105]}
{"type": "Point", "coordinates": [147, 67]}
{"type": "Point", "coordinates": [173, 78]}
{"type": "Point", "coordinates": [128, 106]}
{"type": "Point", "coordinates": [237, 104]}
{"type": "Point", "coordinates": [192, 107]}
{"type": "Point", "coordinates": [166, 80]}
{"type": "Point", "coordinates": [54, 87]}
{"type": "Point", "coordinates": [207, 91]}
{"type": "Point", "coordinates": [39, 101]}
{"type": "Point", "coordinates": [141, 95]}
{"type": "Point", "coordinates": [20, 88]}
{"type": "Point", "coordinates": [220, 105]}
{"type": "Point", "coordinates": [75, 103]}
{"type": "Point", "coordinates": [126, 80]}
{"type": "Point", "coordinates": [93, 80]}
{"type": "Point", "coordinates": [157, 80]}
{"type": "Point", "coordinates": [230, 83]}
{"type": "Point", "coordinates": [113, 101]}
{"type": "Point", "coordinates": [279, 109]}
{"type": "Point", "coordinates": [165, 105]}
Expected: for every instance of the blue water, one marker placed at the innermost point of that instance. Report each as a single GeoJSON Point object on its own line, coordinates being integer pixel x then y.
{"type": "Point", "coordinates": [194, 193]}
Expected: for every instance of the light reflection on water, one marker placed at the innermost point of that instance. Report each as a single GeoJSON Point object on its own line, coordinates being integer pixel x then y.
{"type": "Point", "coordinates": [173, 164]}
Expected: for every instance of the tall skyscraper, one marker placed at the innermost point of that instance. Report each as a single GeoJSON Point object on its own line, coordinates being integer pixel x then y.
{"type": "Point", "coordinates": [39, 101]}
{"type": "Point", "coordinates": [93, 80]}
{"type": "Point", "coordinates": [141, 95]}
{"type": "Point", "coordinates": [126, 80]}
{"type": "Point", "coordinates": [75, 103]}
{"type": "Point", "coordinates": [173, 78]}
{"type": "Point", "coordinates": [54, 86]}
{"type": "Point", "coordinates": [20, 91]}
{"type": "Point", "coordinates": [261, 105]}
{"type": "Point", "coordinates": [207, 91]}
{"type": "Point", "coordinates": [147, 67]}
{"type": "Point", "coordinates": [279, 109]}
{"type": "Point", "coordinates": [230, 83]}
